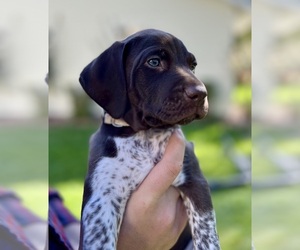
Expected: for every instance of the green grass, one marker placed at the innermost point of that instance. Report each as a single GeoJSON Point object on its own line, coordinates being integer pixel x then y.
{"type": "Point", "coordinates": [233, 211]}
{"type": "Point", "coordinates": [272, 141]}
{"type": "Point", "coordinates": [275, 212]}
{"type": "Point", "coordinates": [275, 219]}
{"type": "Point", "coordinates": [211, 146]}
{"type": "Point", "coordinates": [68, 152]}
{"type": "Point", "coordinates": [24, 164]}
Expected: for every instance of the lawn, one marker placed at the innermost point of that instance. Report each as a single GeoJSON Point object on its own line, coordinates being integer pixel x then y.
{"type": "Point", "coordinates": [24, 164]}
{"type": "Point", "coordinates": [68, 150]}
{"type": "Point", "coordinates": [275, 203]}
{"type": "Point", "coordinates": [275, 218]}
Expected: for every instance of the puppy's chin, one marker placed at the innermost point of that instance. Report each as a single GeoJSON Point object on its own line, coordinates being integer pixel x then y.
{"type": "Point", "coordinates": [153, 122]}
{"type": "Point", "coordinates": [167, 119]}
{"type": "Point", "coordinates": [189, 119]}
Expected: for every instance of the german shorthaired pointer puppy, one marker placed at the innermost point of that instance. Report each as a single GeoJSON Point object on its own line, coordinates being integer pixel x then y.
{"type": "Point", "coordinates": [147, 87]}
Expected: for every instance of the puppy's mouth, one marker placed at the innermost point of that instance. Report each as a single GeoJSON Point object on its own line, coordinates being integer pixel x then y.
{"type": "Point", "coordinates": [176, 116]}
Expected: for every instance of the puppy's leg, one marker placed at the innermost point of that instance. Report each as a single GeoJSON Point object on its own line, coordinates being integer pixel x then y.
{"type": "Point", "coordinates": [101, 222]}
{"type": "Point", "coordinates": [203, 227]}
{"type": "Point", "coordinates": [197, 199]}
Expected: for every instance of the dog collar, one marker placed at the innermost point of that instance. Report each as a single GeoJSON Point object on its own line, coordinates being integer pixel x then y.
{"type": "Point", "coordinates": [115, 122]}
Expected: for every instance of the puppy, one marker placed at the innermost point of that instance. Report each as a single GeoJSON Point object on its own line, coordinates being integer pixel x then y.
{"type": "Point", "coordinates": [147, 87]}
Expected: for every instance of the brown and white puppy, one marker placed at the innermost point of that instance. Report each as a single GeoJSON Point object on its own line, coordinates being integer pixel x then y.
{"type": "Point", "coordinates": [147, 87]}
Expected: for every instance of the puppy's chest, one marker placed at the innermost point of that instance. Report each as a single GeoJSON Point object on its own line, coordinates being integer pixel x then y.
{"type": "Point", "coordinates": [134, 158]}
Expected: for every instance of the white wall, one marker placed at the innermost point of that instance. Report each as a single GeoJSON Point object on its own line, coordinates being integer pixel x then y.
{"type": "Point", "coordinates": [23, 58]}
{"type": "Point", "coordinates": [81, 30]}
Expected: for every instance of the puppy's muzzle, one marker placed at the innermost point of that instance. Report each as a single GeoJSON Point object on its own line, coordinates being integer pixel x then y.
{"type": "Point", "coordinates": [195, 93]}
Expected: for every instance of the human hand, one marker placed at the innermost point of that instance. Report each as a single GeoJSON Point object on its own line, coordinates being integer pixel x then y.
{"type": "Point", "coordinates": [155, 215]}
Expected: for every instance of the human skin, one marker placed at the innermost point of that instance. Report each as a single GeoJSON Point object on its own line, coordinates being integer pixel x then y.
{"type": "Point", "coordinates": [155, 215]}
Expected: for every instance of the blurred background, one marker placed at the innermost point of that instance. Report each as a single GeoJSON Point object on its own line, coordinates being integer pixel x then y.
{"type": "Point", "coordinates": [24, 101]}
{"type": "Point", "coordinates": [23, 122]}
{"type": "Point", "coordinates": [218, 33]}
{"type": "Point", "coordinates": [275, 124]}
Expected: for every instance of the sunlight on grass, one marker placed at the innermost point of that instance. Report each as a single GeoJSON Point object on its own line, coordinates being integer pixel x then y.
{"type": "Point", "coordinates": [233, 210]}
{"type": "Point", "coordinates": [71, 192]}
{"type": "Point", "coordinates": [231, 237]}
{"type": "Point", "coordinates": [34, 196]}
{"type": "Point", "coordinates": [24, 164]}
{"type": "Point", "coordinates": [212, 141]}
{"type": "Point", "coordinates": [212, 160]}
{"type": "Point", "coordinates": [263, 165]}
{"type": "Point", "coordinates": [68, 152]}
{"type": "Point", "coordinates": [23, 154]}
{"type": "Point", "coordinates": [275, 220]}
{"type": "Point", "coordinates": [244, 146]}
{"type": "Point", "coordinates": [288, 146]}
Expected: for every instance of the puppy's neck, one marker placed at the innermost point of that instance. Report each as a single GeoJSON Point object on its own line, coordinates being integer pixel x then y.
{"type": "Point", "coordinates": [120, 128]}
{"type": "Point", "coordinates": [115, 127]}
{"type": "Point", "coordinates": [108, 119]}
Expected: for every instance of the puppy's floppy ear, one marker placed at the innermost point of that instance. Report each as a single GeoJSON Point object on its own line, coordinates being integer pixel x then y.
{"type": "Point", "coordinates": [104, 80]}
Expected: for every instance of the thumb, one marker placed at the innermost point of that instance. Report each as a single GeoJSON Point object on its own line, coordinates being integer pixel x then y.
{"type": "Point", "coordinates": [165, 172]}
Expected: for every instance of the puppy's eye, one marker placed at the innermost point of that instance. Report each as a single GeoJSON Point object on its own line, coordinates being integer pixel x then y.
{"type": "Point", "coordinates": [154, 62]}
{"type": "Point", "coordinates": [193, 66]}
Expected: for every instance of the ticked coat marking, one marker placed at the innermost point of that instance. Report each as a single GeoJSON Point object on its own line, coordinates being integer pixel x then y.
{"type": "Point", "coordinates": [115, 178]}
{"type": "Point", "coordinates": [145, 81]}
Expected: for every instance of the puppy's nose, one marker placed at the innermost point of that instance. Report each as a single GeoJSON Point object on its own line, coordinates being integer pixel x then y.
{"type": "Point", "coordinates": [195, 92]}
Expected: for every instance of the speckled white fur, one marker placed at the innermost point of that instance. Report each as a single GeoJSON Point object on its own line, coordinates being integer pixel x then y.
{"type": "Point", "coordinates": [203, 227]}
{"type": "Point", "coordinates": [114, 179]}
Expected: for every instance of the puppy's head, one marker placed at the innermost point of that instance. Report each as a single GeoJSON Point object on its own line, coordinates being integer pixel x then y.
{"type": "Point", "coordinates": [148, 80]}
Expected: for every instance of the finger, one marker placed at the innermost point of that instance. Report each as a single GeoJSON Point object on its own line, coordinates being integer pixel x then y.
{"type": "Point", "coordinates": [165, 172]}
